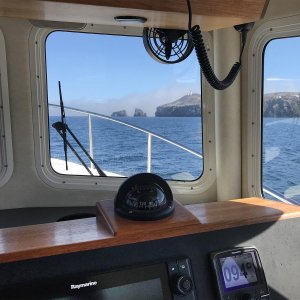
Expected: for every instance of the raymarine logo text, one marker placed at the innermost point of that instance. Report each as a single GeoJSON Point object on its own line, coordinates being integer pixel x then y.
{"type": "Point", "coordinates": [83, 285]}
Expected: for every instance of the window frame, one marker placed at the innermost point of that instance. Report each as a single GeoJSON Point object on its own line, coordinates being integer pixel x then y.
{"type": "Point", "coordinates": [6, 150]}
{"type": "Point", "coordinates": [37, 39]}
{"type": "Point", "coordinates": [253, 100]}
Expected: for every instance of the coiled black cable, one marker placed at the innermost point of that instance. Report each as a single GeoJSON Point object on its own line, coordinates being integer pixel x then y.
{"type": "Point", "coordinates": [203, 59]}
{"type": "Point", "coordinates": [206, 68]}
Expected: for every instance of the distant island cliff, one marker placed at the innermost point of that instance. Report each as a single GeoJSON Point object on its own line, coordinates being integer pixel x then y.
{"type": "Point", "coordinates": [120, 113]}
{"type": "Point", "coordinates": [139, 113]}
{"type": "Point", "coordinates": [186, 106]}
{"type": "Point", "coordinates": [282, 105]}
{"type": "Point", "coordinates": [123, 113]}
{"type": "Point", "coordinates": [279, 105]}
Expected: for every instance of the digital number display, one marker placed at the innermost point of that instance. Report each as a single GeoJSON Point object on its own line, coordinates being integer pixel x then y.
{"type": "Point", "coordinates": [238, 270]}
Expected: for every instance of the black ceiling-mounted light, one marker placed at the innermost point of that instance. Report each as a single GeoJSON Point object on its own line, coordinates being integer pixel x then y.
{"type": "Point", "coordinates": [130, 19]}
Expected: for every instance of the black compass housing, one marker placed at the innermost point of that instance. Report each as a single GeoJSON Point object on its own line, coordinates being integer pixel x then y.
{"type": "Point", "coordinates": [144, 197]}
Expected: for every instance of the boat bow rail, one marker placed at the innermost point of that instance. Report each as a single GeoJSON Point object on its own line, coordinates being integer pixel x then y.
{"type": "Point", "coordinates": [148, 133]}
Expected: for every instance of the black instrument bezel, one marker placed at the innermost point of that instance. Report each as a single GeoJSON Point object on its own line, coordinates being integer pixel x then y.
{"type": "Point", "coordinates": [238, 290]}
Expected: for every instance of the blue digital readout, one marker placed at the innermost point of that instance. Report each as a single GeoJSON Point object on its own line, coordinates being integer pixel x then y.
{"type": "Point", "coordinates": [238, 271]}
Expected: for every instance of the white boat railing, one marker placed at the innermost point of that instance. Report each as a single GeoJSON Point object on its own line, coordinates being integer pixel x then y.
{"type": "Point", "coordinates": [149, 134]}
{"type": "Point", "coordinates": [278, 196]}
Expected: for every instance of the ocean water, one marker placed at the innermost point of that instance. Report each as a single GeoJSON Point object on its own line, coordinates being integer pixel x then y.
{"type": "Point", "coordinates": [123, 150]}
{"type": "Point", "coordinates": [281, 156]}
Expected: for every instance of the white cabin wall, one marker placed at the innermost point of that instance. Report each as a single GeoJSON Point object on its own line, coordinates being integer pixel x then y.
{"type": "Point", "coordinates": [25, 188]}
{"type": "Point", "coordinates": [232, 107]}
{"type": "Point", "coordinates": [227, 116]}
{"type": "Point", "coordinates": [251, 94]}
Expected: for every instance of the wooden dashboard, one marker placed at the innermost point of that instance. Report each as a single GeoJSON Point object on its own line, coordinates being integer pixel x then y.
{"type": "Point", "coordinates": [109, 230]}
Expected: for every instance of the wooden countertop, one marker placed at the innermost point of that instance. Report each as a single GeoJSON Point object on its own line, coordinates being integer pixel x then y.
{"type": "Point", "coordinates": [108, 230]}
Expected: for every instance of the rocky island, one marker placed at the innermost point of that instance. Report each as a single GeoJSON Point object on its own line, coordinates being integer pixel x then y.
{"type": "Point", "coordinates": [120, 113]}
{"type": "Point", "coordinates": [279, 105]}
{"type": "Point", "coordinates": [282, 105]}
{"type": "Point", "coordinates": [186, 106]}
{"type": "Point", "coordinates": [139, 113]}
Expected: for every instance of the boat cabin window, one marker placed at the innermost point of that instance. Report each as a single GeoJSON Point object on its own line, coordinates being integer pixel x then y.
{"type": "Point", "coordinates": [281, 119]}
{"type": "Point", "coordinates": [124, 112]}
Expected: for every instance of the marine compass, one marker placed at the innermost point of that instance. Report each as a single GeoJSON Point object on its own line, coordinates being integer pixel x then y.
{"type": "Point", "coordinates": [144, 197]}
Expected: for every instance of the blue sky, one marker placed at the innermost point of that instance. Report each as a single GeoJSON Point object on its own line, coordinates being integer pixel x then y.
{"type": "Point", "coordinates": [106, 73]}
{"type": "Point", "coordinates": [282, 65]}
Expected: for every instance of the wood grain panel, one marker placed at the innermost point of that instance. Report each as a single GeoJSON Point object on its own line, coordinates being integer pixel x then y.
{"type": "Point", "coordinates": [210, 15]}
{"type": "Point", "coordinates": [121, 226]}
{"type": "Point", "coordinates": [222, 8]}
{"type": "Point", "coordinates": [87, 234]}
{"type": "Point", "coordinates": [243, 211]}
{"type": "Point", "coordinates": [48, 239]}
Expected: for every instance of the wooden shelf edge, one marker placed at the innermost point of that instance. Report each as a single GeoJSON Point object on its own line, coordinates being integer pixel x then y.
{"type": "Point", "coordinates": [180, 218]}
{"type": "Point", "coordinates": [30, 242]}
{"type": "Point", "coordinates": [103, 218]}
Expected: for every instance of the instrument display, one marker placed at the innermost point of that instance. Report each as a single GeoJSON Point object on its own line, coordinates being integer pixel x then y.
{"type": "Point", "coordinates": [166, 280]}
{"type": "Point", "coordinates": [239, 274]}
{"type": "Point", "coordinates": [238, 270]}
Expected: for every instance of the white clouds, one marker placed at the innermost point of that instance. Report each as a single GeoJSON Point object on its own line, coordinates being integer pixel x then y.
{"type": "Point", "coordinates": [282, 79]}
{"type": "Point", "coordinates": [145, 101]}
{"type": "Point", "coordinates": [279, 84]}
